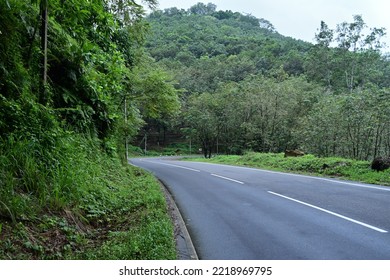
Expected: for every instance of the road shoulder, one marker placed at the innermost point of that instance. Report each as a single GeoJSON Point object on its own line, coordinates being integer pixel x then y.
{"type": "Point", "coordinates": [184, 246]}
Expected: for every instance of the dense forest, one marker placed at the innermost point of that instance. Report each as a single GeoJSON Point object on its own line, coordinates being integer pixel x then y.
{"type": "Point", "coordinates": [75, 86]}
{"type": "Point", "coordinates": [246, 87]}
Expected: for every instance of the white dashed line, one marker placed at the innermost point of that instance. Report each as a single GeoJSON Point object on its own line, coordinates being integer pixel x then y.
{"type": "Point", "coordinates": [226, 178]}
{"type": "Point", "coordinates": [174, 165]}
{"type": "Point", "coordinates": [360, 185]}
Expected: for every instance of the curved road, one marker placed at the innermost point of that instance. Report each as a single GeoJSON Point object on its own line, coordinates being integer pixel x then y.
{"type": "Point", "coordinates": [244, 213]}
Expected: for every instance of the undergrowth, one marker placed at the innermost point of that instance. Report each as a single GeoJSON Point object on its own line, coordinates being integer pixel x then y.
{"type": "Point", "coordinates": [74, 201]}
{"type": "Point", "coordinates": [174, 149]}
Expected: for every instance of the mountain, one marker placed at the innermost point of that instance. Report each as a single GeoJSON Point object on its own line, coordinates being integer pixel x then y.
{"type": "Point", "coordinates": [203, 47]}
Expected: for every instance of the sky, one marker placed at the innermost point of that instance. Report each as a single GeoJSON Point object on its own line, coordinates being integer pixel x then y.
{"type": "Point", "coordinates": [301, 19]}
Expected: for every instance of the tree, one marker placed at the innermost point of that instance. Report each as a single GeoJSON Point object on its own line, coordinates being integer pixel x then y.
{"type": "Point", "coordinates": [353, 45]}
{"type": "Point", "coordinates": [43, 16]}
{"type": "Point", "coordinates": [202, 120]}
{"type": "Point", "coordinates": [350, 64]}
{"type": "Point", "coordinates": [151, 90]}
{"type": "Point", "coordinates": [325, 35]}
{"type": "Point", "coordinates": [321, 129]}
{"type": "Point", "coordinates": [202, 9]}
{"type": "Point", "coordinates": [44, 20]}
{"type": "Point", "coordinates": [127, 12]}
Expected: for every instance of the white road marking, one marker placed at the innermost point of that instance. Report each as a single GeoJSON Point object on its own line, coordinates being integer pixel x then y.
{"type": "Point", "coordinates": [330, 212]}
{"type": "Point", "coordinates": [174, 165]}
{"type": "Point", "coordinates": [367, 186]}
{"type": "Point", "coordinates": [226, 178]}
{"type": "Point", "coordinates": [357, 185]}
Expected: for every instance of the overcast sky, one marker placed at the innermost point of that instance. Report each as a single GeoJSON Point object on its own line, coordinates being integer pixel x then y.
{"type": "Point", "coordinates": [301, 18]}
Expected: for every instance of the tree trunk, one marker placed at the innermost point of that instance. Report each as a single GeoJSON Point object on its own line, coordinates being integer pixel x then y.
{"type": "Point", "coordinates": [44, 20]}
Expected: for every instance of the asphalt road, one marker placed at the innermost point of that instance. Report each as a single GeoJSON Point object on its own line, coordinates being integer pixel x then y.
{"type": "Point", "coordinates": [244, 213]}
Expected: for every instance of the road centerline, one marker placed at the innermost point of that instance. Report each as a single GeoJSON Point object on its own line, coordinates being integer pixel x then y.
{"type": "Point", "coordinates": [360, 185]}
{"type": "Point", "coordinates": [174, 165]}
{"type": "Point", "coordinates": [229, 179]}
{"type": "Point", "coordinates": [330, 212]}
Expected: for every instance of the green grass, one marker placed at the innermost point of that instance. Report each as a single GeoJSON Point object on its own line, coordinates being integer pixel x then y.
{"type": "Point", "coordinates": [173, 149]}
{"type": "Point", "coordinates": [335, 167]}
{"type": "Point", "coordinates": [74, 201]}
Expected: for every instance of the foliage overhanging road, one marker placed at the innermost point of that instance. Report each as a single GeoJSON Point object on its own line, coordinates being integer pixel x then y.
{"type": "Point", "coordinates": [243, 213]}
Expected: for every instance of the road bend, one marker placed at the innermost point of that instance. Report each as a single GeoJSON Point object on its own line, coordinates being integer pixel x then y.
{"type": "Point", "coordinates": [245, 213]}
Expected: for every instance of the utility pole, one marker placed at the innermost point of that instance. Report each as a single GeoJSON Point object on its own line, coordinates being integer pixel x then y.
{"type": "Point", "coordinates": [146, 139]}
{"type": "Point", "coordinates": [126, 144]}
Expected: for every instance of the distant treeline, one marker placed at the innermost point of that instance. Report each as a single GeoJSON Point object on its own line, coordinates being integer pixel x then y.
{"type": "Point", "coordinates": [246, 87]}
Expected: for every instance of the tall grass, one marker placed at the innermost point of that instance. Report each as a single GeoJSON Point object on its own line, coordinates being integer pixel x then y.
{"type": "Point", "coordinates": [72, 200]}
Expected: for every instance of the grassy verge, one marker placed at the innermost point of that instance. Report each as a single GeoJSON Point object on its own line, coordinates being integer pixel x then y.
{"type": "Point", "coordinates": [175, 149]}
{"type": "Point", "coordinates": [76, 202]}
{"type": "Point", "coordinates": [331, 167]}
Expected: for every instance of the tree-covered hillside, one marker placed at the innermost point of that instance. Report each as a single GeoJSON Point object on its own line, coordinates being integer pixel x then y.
{"type": "Point", "coordinates": [246, 87]}
{"type": "Point", "coordinates": [203, 46]}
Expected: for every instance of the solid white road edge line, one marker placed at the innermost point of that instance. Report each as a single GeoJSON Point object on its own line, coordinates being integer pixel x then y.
{"type": "Point", "coordinates": [330, 212]}
{"type": "Point", "coordinates": [226, 178]}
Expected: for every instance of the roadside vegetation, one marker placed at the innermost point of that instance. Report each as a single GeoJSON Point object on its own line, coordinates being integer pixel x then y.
{"type": "Point", "coordinates": [81, 80]}
{"type": "Point", "coordinates": [88, 205]}
{"type": "Point", "coordinates": [75, 86]}
{"type": "Point", "coordinates": [334, 167]}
